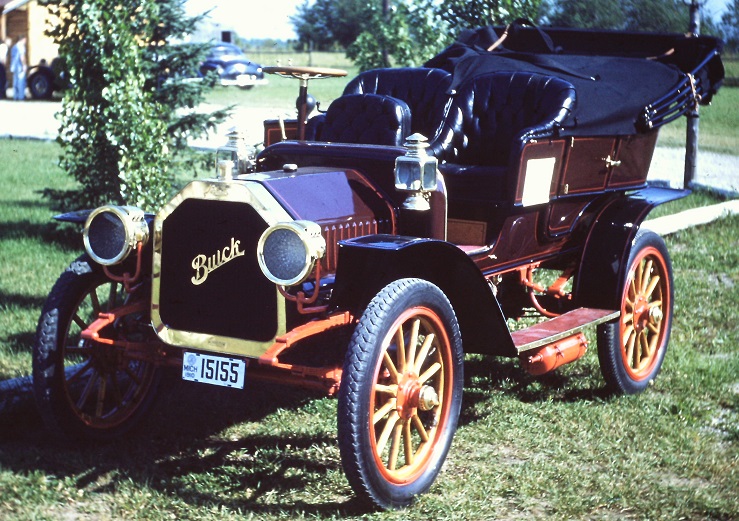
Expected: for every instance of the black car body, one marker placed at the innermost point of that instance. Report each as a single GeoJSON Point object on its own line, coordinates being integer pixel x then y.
{"type": "Point", "coordinates": [232, 66]}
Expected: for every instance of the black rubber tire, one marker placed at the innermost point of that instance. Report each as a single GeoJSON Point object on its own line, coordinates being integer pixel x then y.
{"type": "Point", "coordinates": [366, 370]}
{"type": "Point", "coordinates": [41, 85]}
{"type": "Point", "coordinates": [631, 350]}
{"type": "Point", "coordinates": [117, 390]}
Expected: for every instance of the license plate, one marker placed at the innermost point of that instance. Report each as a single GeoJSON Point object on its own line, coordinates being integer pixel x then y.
{"type": "Point", "coordinates": [214, 370]}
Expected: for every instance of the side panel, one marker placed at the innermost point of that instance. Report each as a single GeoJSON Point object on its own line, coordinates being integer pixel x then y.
{"type": "Point", "coordinates": [607, 248]}
{"type": "Point", "coordinates": [368, 264]}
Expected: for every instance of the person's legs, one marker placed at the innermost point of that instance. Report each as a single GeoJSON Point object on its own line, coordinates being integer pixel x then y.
{"type": "Point", "coordinates": [3, 82]}
{"type": "Point", "coordinates": [19, 87]}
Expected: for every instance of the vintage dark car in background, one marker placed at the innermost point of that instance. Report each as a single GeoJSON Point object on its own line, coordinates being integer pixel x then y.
{"type": "Point", "coordinates": [45, 79]}
{"type": "Point", "coordinates": [232, 66]}
{"type": "Point", "coordinates": [366, 250]}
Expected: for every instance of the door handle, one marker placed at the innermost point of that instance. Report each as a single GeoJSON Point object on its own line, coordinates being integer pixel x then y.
{"type": "Point", "coordinates": [610, 163]}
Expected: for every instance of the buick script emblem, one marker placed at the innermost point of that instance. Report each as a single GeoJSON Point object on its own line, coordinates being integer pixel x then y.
{"type": "Point", "coordinates": [204, 265]}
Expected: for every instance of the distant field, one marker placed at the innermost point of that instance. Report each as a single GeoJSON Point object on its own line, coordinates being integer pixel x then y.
{"type": "Point", "coordinates": [731, 64]}
{"type": "Point", "coordinates": [719, 125]}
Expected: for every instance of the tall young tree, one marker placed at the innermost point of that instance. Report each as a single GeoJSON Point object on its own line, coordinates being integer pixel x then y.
{"type": "Point", "coordinates": [122, 117]}
{"type": "Point", "coordinates": [113, 141]}
{"type": "Point", "coordinates": [170, 64]}
{"type": "Point", "coordinates": [656, 15]}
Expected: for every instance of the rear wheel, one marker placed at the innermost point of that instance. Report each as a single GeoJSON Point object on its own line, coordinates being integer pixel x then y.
{"type": "Point", "coordinates": [41, 85]}
{"type": "Point", "coordinates": [401, 392]}
{"type": "Point", "coordinates": [631, 351]}
{"type": "Point", "coordinates": [84, 389]}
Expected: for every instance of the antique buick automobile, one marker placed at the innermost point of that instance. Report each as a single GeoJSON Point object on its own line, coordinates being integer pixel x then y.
{"type": "Point", "coordinates": [367, 249]}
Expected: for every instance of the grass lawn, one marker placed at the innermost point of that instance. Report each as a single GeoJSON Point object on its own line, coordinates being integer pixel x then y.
{"type": "Point", "coordinates": [718, 125]}
{"type": "Point", "coordinates": [553, 447]}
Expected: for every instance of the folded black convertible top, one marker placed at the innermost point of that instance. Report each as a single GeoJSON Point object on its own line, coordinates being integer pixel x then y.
{"type": "Point", "coordinates": [625, 82]}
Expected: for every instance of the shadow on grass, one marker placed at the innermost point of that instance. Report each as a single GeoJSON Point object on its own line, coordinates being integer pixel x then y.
{"type": "Point", "coordinates": [66, 236]}
{"type": "Point", "coordinates": [181, 451]}
{"type": "Point", "coordinates": [486, 375]}
{"type": "Point", "coordinates": [186, 452]}
{"type": "Point", "coordinates": [25, 302]}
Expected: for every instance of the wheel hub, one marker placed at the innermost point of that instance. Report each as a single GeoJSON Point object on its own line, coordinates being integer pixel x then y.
{"type": "Point", "coordinates": [412, 395]}
{"type": "Point", "coordinates": [641, 313]}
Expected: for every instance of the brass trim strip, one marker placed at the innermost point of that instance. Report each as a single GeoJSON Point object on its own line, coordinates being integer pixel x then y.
{"type": "Point", "coordinates": [241, 191]}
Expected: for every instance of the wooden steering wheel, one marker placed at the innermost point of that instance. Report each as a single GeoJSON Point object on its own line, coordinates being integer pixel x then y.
{"type": "Point", "coordinates": [304, 74]}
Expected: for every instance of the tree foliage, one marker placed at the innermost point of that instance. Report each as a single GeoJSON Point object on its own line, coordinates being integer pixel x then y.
{"type": "Point", "coordinates": [475, 13]}
{"type": "Point", "coordinates": [586, 14]}
{"type": "Point", "coordinates": [627, 15]}
{"type": "Point", "coordinates": [407, 32]}
{"type": "Point", "coordinates": [729, 27]}
{"type": "Point", "coordinates": [121, 119]}
{"type": "Point", "coordinates": [170, 66]}
{"type": "Point", "coordinates": [326, 24]}
{"type": "Point", "coordinates": [113, 141]}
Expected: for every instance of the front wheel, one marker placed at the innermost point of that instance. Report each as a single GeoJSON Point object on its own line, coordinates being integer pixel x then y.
{"type": "Point", "coordinates": [400, 394]}
{"type": "Point", "coordinates": [631, 351]}
{"type": "Point", "coordinates": [84, 389]}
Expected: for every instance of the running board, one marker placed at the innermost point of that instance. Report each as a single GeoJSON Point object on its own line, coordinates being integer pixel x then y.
{"type": "Point", "coordinates": [559, 328]}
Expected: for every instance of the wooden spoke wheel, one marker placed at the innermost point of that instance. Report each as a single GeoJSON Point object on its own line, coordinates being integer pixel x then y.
{"type": "Point", "coordinates": [631, 351]}
{"type": "Point", "coordinates": [400, 394]}
{"type": "Point", "coordinates": [87, 389]}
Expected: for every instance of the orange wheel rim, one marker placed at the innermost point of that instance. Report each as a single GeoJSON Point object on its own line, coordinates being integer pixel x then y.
{"type": "Point", "coordinates": [103, 386]}
{"type": "Point", "coordinates": [644, 309]}
{"type": "Point", "coordinates": [409, 403]}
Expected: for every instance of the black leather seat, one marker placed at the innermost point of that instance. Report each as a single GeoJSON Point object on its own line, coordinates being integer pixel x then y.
{"type": "Point", "coordinates": [425, 92]}
{"type": "Point", "coordinates": [365, 118]}
{"type": "Point", "coordinates": [491, 119]}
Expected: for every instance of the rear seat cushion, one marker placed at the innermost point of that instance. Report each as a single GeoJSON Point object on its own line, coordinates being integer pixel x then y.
{"type": "Point", "coordinates": [492, 115]}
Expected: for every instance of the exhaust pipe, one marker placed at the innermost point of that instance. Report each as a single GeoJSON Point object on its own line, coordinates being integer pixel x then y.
{"type": "Point", "coordinates": [551, 356]}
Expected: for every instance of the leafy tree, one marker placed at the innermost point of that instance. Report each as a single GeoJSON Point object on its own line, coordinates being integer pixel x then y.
{"type": "Point", "coordinates": [170, 67]}
{"type": "Point", "coordinates": [311, 23]}
{"type": "Point", "coordinates": [386, 34]}
{"type": "Point", "coordinates": [656, 15]}
{"type": "Point", "coordinates": [630, 15]}
{"type": "Point", "coordinates": [122, 123]}
{"type": "Point", "coordinates": [327, 23]}
{"type": "Point", "coordinates": [586, 14]}
{"type": "Point", "coordinates": [729, 28]}
{"type": "Point", "coordinates": [113, 142]}
{"type": "Point", "coordinates": [414, 30]}
{"type": "Point", "coordinates": [475, 13]}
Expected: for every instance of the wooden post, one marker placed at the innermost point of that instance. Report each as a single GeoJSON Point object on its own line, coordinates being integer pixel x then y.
{"type": "Point", "coordinates": [691, 135]}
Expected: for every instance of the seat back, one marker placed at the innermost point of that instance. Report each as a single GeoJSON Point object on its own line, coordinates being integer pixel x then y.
{"type": "Point", "coordinates": [367, 119]}
{"type": "Point", "coordinates": [494, 115]}
{"type": "Point", "coordinates": [424, 90]}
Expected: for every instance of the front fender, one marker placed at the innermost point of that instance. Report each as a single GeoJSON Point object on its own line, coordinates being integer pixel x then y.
{"type": "Point", "coordinates": [608, 245]}
{"type": "Point", "coordinates": [369, 263]}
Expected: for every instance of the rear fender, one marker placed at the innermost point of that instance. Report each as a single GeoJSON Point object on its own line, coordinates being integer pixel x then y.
{"type": "Point", "coordinates": [369, 263]}
{"type": "Point", "coordinates": [608, 245]}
